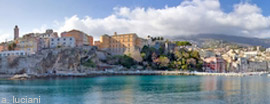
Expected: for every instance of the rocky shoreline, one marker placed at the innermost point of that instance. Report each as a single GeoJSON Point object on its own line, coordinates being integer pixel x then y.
{"type": "Point", "coordinates": [111, 73]}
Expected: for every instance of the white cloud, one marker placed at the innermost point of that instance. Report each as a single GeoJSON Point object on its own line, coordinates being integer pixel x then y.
{"type": "Point", "coordinates": [190, 17]}
{"type": "Point", "coordinates": [5, 37]}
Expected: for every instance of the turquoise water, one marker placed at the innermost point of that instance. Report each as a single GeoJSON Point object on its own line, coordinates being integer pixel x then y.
{"type": "Point", "coordinates": [142, 90]}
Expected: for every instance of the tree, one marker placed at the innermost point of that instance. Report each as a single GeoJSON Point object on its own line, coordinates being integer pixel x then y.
{"type": "Point", "coordinates": [195, 54]}
{"type": "Point", "coordinates": [143, 55]}
{"type": "Point", "coordinates": [163, 61]}
{"type": "Point", "coordinates": [12, 46]}
{"type": "Point", "coordinates": [161, 38]}
{"type": "Point", "coordinates": [183, 43]}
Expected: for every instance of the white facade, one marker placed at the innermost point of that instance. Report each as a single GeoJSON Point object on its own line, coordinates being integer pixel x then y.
{"type": "Point", "coordinates": [62, 42]}
{"type": "Point", "coordinates": [251, 54]}
{"type": "Point", "coordinates": [13, 53]}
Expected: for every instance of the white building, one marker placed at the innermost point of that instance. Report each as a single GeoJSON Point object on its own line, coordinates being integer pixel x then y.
{"type": "Point", "coordinates": [13, 53]}
{"type": "Point", "coordinates": [62, 42]}
{"type": "Point", "coordinates": [251, 54]}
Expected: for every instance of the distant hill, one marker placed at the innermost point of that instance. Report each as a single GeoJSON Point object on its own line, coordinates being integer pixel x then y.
{"type": "Point", "coordinates": [243, 41]}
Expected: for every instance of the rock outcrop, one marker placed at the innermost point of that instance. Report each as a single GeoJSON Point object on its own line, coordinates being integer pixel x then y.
{"type": "Point", "coordinates": [53, 60]}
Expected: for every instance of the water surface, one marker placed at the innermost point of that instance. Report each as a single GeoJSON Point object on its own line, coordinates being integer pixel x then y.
{"type": "Point", "coordinates": [142, 90]}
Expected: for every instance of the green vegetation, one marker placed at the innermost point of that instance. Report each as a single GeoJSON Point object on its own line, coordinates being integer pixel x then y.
{"type": "Point", "coordinates": [123, 60]}
{"type": "Point", "coordinates": [183, 43]}
{"type": "Point", "coordinates": [12, 46]}
{"type": "Point", "coordinates": [180, 59]}
{"type": "Point", "coordinates": [89, 63]}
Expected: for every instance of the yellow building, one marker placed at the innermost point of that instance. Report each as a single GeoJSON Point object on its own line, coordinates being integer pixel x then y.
{"type": "Point", "coordinates": [119, 44]}
{"type": "Point", "coordinates": [28, 44]}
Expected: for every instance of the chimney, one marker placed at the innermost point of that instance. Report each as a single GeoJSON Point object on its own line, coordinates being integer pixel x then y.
{"type": "Point", "coordinates": [115, 33]}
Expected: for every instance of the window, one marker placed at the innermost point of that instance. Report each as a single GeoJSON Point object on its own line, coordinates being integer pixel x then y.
{"type": "Point", "coordinates": [64, 39]}
{"type": "Point", "coordinates": [58, 39]}
{"type": "Point", "coordinates": [52, 39]}
{"type": "Point", "coordinates": [70, 39]}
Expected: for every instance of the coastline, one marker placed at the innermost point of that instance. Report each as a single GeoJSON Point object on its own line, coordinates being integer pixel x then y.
{"type": "Point", "coordinates": [116, 73]}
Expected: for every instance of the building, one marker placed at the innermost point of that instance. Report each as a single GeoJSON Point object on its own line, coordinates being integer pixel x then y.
{"type": "Point", "coordinates": [97, 43]}
{"type": "Point", "coordinates": [119, 44]}
{"type": "Point", "coordinates": [2, 47]}
{"type": "Point", "coordinates": [30, 45]}
{"type": "Point", "coordinates": [43, 39]}
{"type": "Point", "coordinates": [82, 39]}
{"type": "Point", "coordinates": [13, 53]}
{"type": "Point", "coordinates": [251, 54]}
{"type": "Point", "coordinates": [214, 64]}
{"type": "Point", "coordinates": [62, 42]}
{"type": "Point", "coordinates": [16, 32]}
{"type": "Point", "coordinates": [257, 66]}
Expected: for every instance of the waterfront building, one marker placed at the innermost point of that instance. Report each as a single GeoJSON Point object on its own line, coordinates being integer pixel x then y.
{"type": "Point", "coordinates": [257, 66]}
{"type": "Point", "coordinates": [82, 39]}
{"type": "Point", "coordinates": [13, 53]}
{"type": "Point", "coordinates": [119, 44]}
{"type": "Point", "coordinates": [62, 42]}
{"type": "Point", "coordinates": [214, 64]}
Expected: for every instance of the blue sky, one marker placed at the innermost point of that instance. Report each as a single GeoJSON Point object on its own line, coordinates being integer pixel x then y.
{"type": "Point", "coordinates": [31, 14]}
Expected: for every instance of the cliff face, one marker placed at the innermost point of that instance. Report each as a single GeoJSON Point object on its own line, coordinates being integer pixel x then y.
{"type": "Point", "coordinates": [51, 60]}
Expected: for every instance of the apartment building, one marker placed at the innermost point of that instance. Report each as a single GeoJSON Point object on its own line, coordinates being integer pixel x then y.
{"type": "Point", "coordinates": [118, 44]}
{"type": "Point", "coordinates": [13, 53]}
{"type": "Point", "coordinates": [62, 42]}
{"type": "Point", "coordinates": [81, 39]}
{"type": "Point", "coordinates": [214, 64]}
{"type": "Point", "coordinates": [30, 45]}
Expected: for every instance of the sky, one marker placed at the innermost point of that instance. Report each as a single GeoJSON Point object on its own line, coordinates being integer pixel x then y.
{"type": "Point", "coordinates": [248, 18]}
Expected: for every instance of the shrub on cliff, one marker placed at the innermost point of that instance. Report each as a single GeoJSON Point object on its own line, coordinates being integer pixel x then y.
{"type": "Point", "coordinates": [89, 63]}
{"type": "Point", "coordinates": [123, 60]}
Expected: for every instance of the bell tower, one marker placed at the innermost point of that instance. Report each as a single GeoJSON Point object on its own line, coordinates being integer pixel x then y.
{"type": "Point", "coordinates": [16, 32]}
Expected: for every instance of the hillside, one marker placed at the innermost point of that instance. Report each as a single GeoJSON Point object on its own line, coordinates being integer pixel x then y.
{"type": "Point", "coordinates": [242, 41]}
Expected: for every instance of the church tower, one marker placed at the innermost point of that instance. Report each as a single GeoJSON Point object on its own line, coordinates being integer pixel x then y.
{"type": "Point", "coordinates": [16, 32]}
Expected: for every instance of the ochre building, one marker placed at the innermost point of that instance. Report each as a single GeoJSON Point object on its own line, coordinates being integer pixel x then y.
{"type": "Point", "coordinates": [119, 44]}
{"type": "Point", "coordinates": [82, 39]}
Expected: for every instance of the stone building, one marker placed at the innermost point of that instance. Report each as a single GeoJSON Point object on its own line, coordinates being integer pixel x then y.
{"type": "Point", "coordinates": [214, 64]}
{"type": "Point", "coordinates": [30, 45]}
{"type": "Point", "coordinates": [82, 39]}
{"type": "Point", "coordinates": [34, 42]}
{"type": "Point", "coordinates": [119, 44]}
{"type": "Point", "coordinates": [257, 66]}
{"type": "Point", "coordinates": [13, 53]}
{"type": "Point", "coordinates": [62, 42]}
{"type": "Point", "coordinates": [16, 32]}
